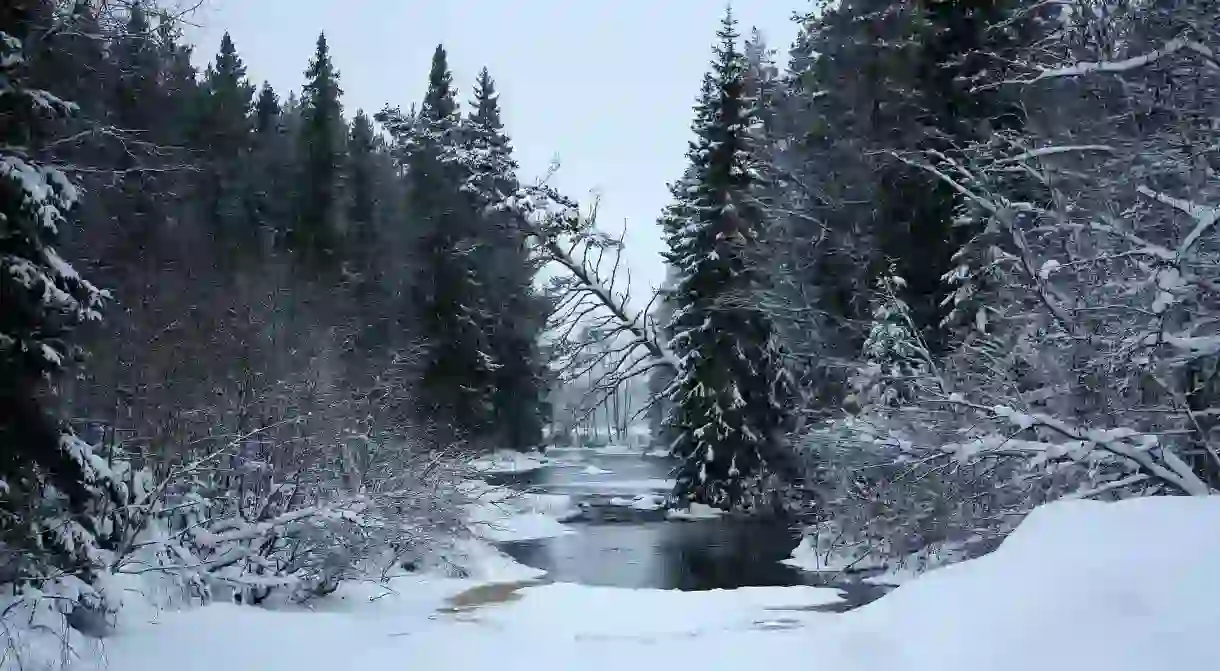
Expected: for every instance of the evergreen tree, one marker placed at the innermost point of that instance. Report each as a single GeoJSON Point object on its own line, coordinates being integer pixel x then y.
{"type": "Point", "coordinates": [270, 179]}
{"type": "Point", "coordinates": [362, 201]}
{"type": "Point", "coordinates": [137, 109]}
{"type": "Point", "coordinates": [224, 136]}
{"type": "Point", "coordinates": [55, 490]}
{"type": "Point", "coordinates": [517, 313]}
{"type": "Point", "coordinates": [458, 370]}
{"type": "Point", "coordinates": [731, 388]}
{"type": "Point", "coordinates": [319, 212]}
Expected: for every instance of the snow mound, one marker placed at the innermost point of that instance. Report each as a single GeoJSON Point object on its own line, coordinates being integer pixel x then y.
{"type": "Point", "coordinates": [501, 514]}
{"type": "Point", "coordinates": [1121, 586]}
{"type": "Point", "coordinates": [509, 462]}
{"type": "Point", "coordinates": [696, 511]}
{"type": "Point", "coordinates": [648, 502]}
{"type": "Point", "coordinates": [483, 562]}
{"type": "Point", "coordinates": [594, 470]}
{"type": "Point", "coordinates": [641, 502]}
{"type": "Point", "coordinates": [808, 556]}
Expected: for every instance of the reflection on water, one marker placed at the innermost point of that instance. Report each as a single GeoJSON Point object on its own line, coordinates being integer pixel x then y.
{"type": "Point", "coordinates": [707, 554]}
{"type": "Point", "coordinates": [619, 547]}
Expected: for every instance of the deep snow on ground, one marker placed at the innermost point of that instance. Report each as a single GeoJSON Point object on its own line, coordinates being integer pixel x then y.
{"type": "Point", "coordinates": [1080, 585]}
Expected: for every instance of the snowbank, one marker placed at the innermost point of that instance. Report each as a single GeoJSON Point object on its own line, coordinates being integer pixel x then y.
{"type": "Point", "coordinates": [641, 502]}
{"type": "Point", "coordinates": [1079, 585]}
{"type": "Point", "coordinates": [696, 511]}
{"type": "Point", "coordinates": [483, 562]}
{"type": "Point", "coordinates": [509, 462]}
{"type": "Point", "coordinates": [501, 514]}
{"type": "Point", "coordinates": [810, 556]}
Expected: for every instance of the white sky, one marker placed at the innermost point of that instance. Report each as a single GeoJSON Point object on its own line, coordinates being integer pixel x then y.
{"type": "Point", "coordinates": [605, 85]}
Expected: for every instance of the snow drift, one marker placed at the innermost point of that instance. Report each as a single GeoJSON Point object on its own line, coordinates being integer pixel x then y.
{"type": "Point", "coordinates": [1079, 585]}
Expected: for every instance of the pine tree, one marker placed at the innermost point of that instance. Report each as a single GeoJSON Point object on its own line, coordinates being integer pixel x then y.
{"type": "Point", "coordinates": [319, 205]}
{"type": "Point", "coordinates": [224, 135]}
{"type": "Point", "coordinates": [731, 387]}
{"type": "Point", "coordinates": [54, 491]}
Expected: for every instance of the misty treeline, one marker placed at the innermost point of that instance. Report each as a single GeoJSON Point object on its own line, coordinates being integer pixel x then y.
{"type": "Point", "coordinates": [247, 339]}
{"type": "Point", "coordinates": [956, 259]}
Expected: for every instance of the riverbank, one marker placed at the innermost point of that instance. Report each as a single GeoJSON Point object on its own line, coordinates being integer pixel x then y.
{"type": "Point", "coordinates": [1081, 585]}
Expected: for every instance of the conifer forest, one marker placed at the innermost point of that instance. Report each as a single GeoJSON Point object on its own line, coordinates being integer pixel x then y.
{"type": "Point", "coordinates": [942, 287]}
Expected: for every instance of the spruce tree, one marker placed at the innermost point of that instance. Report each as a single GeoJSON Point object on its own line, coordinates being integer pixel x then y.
{"type": "Point", "coordinates": [517, 314]}
{"type": "Point", "coordinates": [319, 204]}
{"type": "Point", "coordinates": [458, 370]}
{"type": "Point", "coordinates": [224, 136]}
{"type": "Point", "coordinates": [270, 179]}
{"type": "Point", "coordinates": [362, 199]}
{"type": "Point", "coordinates": [731, 390]}
{"type": "Point", "coordinates": [54, 491]}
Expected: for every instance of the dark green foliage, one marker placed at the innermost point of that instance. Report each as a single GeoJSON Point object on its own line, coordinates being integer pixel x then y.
{"type": "Point", "coordinates": [319, 204]}
{"type": "Point", "coordinates": [53, 490]}
{"type": "Point", "coordinates": [731, 394]}
{"type": "Point", "coordinates": [223, 137]}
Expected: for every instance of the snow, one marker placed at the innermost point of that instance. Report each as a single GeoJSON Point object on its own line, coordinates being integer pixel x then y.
{"type": "Point", "coordinates": [509, 462]}
{"type": "Point", "coordinates": [641, 502]}
{"type": "Point", "coordinates": [500, 514]}
{"type": "Point", "coordinates": [1125, 586]}
{"type": "Point", "coordinates": [484, 562]}
{"type": "Point", "coordinates": [594, 470]}
{"type": "Point", "coordinates": [651, 484]}
{"type": "Point", "coordinates": [425, 624]}
{"type": "Point", "coordinates": [808, 557]}
{"type": "Point", "coordinates": [617, 450]}
{"type": "Point", "coordinates": [696, 511]}
{"type": "Point", "coordinates": [1079, 585]}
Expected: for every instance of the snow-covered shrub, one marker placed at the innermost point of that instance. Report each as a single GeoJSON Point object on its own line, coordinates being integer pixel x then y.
{"type": "Point", "coordinates": [295, 540]}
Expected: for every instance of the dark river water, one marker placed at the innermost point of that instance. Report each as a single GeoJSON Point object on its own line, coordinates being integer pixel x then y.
{"type": "Point", "coordinates": [618, 546]}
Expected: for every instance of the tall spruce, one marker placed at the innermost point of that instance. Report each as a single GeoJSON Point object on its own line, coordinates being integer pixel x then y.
{"type": "Point", "coordinates": [224, 136]}
{"type": "Point", "coordinates": [319, 211]}
{"type": "Point", "coordinates": [362, 197]}
{"type": "Point", "coordinates": [55, 490]}
{"type": "Point", "coordinates": [457, 375]}
{"type": "Point", "coordinates": [270, 177]}
{"type": "Point", "coordinates": [517, 314]}
{"type": "Point", "coordinates": [731, 390]}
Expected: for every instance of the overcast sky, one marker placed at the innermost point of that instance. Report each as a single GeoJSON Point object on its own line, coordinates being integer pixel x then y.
{"type": "Point", "coordinates": [604, 85]}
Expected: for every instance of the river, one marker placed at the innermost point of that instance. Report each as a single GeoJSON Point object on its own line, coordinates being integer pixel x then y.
{"type": "Point", "coordinates": [616, 545]}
